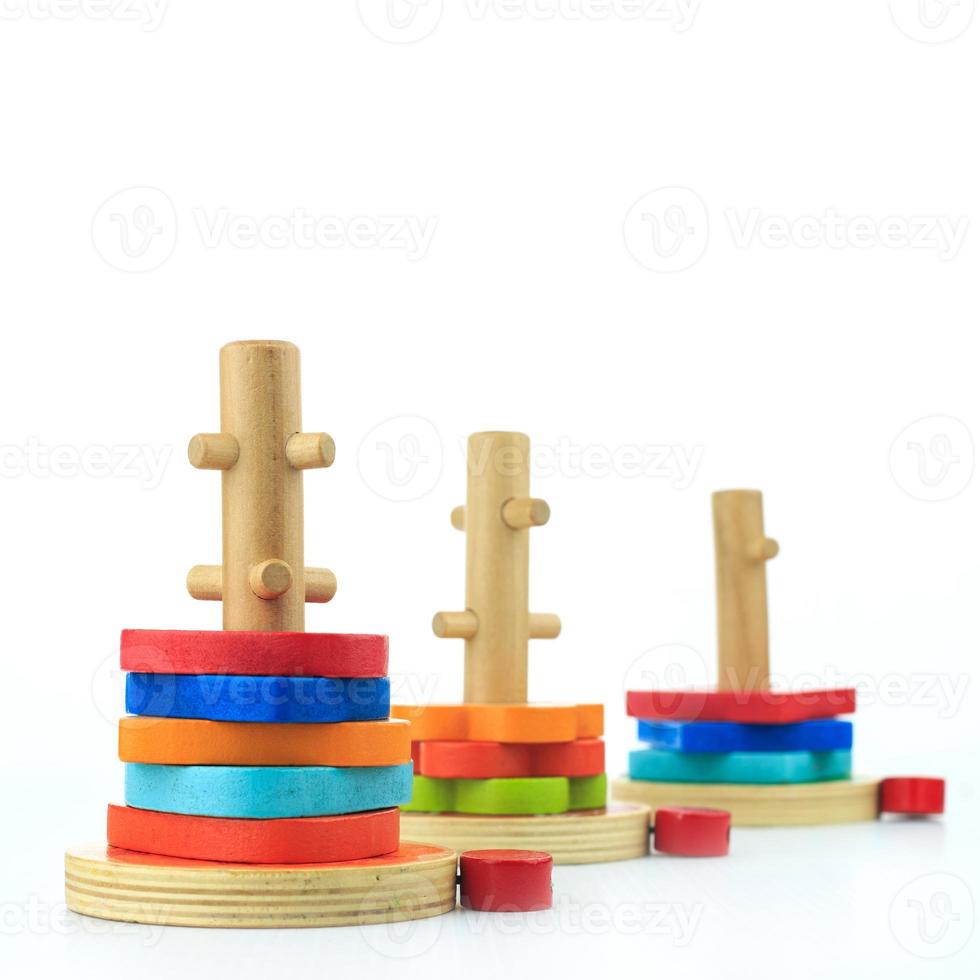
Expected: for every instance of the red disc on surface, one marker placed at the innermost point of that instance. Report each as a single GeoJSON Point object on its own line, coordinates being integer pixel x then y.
{"type": "Point", "coordinates": [253, 652]}
{"type": "Point", "coordinates": [505, 881]}
{"type": "Point", "coordinates": [912, 794]}
{"type": "Point", "coordinates": [692, 831]}
{"type": "Point", "coordinates": [292, 840]}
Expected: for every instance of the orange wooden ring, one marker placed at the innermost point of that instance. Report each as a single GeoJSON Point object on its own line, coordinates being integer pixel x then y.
{"type": "Point", "coordinates": [193, 742]}
{"type": "Point", "coordinates": [298, 840]}
{"type": "Point", "coordinates": [497, 760]}
{"type": "Point", "coordinates": [501, 722]}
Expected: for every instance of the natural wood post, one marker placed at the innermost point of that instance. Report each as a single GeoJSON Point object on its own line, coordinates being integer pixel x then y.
{"type": "Point", "coordinates": [497, 517]}
{"type": "Point", "coordinates": [741, 553]}
{"type": "Point", "coordinates": [262, 453]}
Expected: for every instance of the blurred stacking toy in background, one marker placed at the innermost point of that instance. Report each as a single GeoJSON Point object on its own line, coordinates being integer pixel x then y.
{"type": "Point", "coordinates": [769, 757]}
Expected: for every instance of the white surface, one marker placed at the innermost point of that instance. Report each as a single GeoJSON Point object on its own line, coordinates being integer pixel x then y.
{"type": "Point", "coordinates": [537, 302]}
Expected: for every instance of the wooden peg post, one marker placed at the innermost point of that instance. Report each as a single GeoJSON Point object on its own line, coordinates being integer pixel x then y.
{"type": "Point", "coordinates": [496, 624]}
{"type": "Point", "coordinates": [262, 453]}
{"type": "Point", "coordinates": [741, 553]}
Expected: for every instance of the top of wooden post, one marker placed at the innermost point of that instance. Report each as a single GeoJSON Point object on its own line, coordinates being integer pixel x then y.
{"type": "Point", "coordinates": [741, 552]}
{"type": "Point", "coordinates": [262, 452]}
{"type": "Point", "coordinates": [496, 624]}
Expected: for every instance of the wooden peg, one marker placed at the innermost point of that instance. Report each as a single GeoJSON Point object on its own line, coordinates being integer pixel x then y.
{"type": "Point", "coordinates": [525, 512]}
{"type": "Point", "coordinates": [455, 625]}
{"type": "Point", "coordinates": [204, 582]}
{"type": "Point", "coordinates": [310, 450]}
{"type": "Point", "coordinates": [543, 626]}
{"type": "Point", "coordinates": [496, 625]}
{"type": "Point", "coordinates": [213, 451]}
{"type": "Point", "coordinates": [741, 552]}
{"type": "Point", "coordinates": [262, 451]}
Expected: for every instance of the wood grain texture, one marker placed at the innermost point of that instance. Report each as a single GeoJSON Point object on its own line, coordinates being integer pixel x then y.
{"type": "Point", "coordinates": [197, 742]}
{"type": "Point", "coordinates": [834, 801]}
{"type": "Point", "coordinates": [496, 624]}
{"type": "Point", "coordinates": [619, 832]}
{"type": "Point", "coordinates": [502, 722]}
{"type": "Point", "coordinates": [300, 840]}
{"type": "Point", "coordinates": [254, 652]}
{"type": "Point", "coordinates": [415, 882]}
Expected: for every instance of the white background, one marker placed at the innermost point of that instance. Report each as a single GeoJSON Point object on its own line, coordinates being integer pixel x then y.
{"type": "Point", "coordinates": [734, 235]}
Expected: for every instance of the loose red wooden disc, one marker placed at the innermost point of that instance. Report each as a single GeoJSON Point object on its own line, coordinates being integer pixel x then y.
{"type": "Point", "coordinates": [505, 881]}
{"type": "Point", "coordinates": [295, 840]}
{"type": "Point", "coordinates": [254, 652]}
{"type": "Point", "coordinates": [751, 707]}
{"type": "Point", "coordinates": [500, 760]}
{"type": "Point", "coordinates": [692, 831]}
{"type": "Point", "coordinates": [912, 794]}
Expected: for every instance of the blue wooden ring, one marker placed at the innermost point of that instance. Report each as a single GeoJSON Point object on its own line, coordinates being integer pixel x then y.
{"type": "Point", "coordinates": [266, 791]}
{"type": "Point", "coordinates": [244, 697]}
{"type": "Point", "coordinates": [821, 735]}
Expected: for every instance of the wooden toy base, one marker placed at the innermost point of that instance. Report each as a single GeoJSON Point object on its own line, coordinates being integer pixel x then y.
{"type": "Point", "coordinates": [415, 882]}
{"type": "Point", "coordinates": [617, 833]}
{"type": "Point", "coordinates": [833, 801]}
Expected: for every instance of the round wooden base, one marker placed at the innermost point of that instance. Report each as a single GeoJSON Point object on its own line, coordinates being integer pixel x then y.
{"type": "Point", "coordinates": [617, 833]}
{"type": "Point", "coordinates": [773, 805]}
{"type": "Point", "coordinates": [415, 882]}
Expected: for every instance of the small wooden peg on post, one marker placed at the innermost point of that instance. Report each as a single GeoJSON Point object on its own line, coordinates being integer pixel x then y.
{"type": "Point", "coordinates": [741, 553]}
{"type": "Point", "coordinates": [262, 453]}
{"type": "Point", "coordinates": [496, 624]}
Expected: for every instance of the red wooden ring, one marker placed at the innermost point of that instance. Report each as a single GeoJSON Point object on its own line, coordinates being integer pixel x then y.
{"type": "Point", "coordinates": [500, 760]}
{"type": "Point", "coordinates": [505, 881]}
{"type": "Point", "coordinates": [912, 794]}
{"type": "Point", "coordinates": [255, 653]}
{"type": "Point", "coordinates": [750, 707]}
{"type": "Point", "coordinates": [295, 840]}
{"type": "Point", "coordinates": [692, 831]}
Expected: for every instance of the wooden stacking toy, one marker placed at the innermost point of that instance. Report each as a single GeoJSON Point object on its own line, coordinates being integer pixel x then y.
{"type": "Point", "coordinates": [263, 772]}
{"type": "Point", "coordinates": [768, 757]}
{"type": "Point", "coordinates": [495, 771]}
